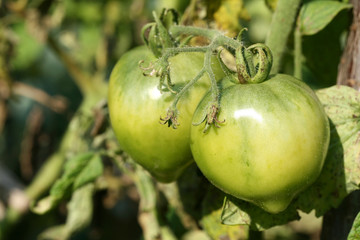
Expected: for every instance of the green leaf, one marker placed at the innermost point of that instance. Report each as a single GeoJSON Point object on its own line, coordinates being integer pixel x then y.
{"type": "Point", "coordinates": [75, 170]}
{"type": "Point", "coordinates": [341, 173]}
{"type": "Point", "coordinates": [80, 209]}
{"type": "Point", "coordinates": [314, 16]}
{"type": "Point", "coordinates": [321, 65]}
{"type": "Point", "coordinates": [90, 172]}
{"type": "Point", "coordinates": [211, 218]}
{"type": "Point", "coordinates": [236, 211]}
{"type": "Point", "coordinates": [355, 230]}
{"type": "Point", "coordinates": [71, 170]}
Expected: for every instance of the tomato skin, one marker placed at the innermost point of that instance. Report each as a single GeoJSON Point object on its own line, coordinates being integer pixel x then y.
{"type": "Point", "coordinates": [136, 104]}
{"type": "Point", "coordinates": [271, 146]}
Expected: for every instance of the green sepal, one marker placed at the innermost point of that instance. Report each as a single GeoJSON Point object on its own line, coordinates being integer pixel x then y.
{"type": "Point", "coordinates": [247, 72]}
{"type": "Point", "coordinates": [159, 37]}
{"type": "Point", "coordinates": [153, 42]}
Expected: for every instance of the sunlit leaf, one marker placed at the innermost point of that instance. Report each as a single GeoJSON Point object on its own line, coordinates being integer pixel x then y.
{"type": "Point", "coordinates": [341, 173]}
{"type": "Point", "coordinates": [314, 16]}
{"type": "Point", "coordinates": [80, 209]}
{"type": "Point", "coordinates": [320, 64]}
{"type": "Point", "coordinates": [78, 171]}
{"type": "Point", "coordinates": [91, 171]}
{"type": "Point", "coordinates": [211, 218]}
{"type": "Point", "coordinates": [72, 168]}
{"type": "Point", "coordinates": [236, 212]}
{"type": "Point", "coordinates": [355, 230]}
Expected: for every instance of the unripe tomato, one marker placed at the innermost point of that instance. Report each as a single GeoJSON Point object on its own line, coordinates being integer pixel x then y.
{"type": "Point", "coordinates": [271, 146]}
{"type": "Point", "coordinates": [136, 104]}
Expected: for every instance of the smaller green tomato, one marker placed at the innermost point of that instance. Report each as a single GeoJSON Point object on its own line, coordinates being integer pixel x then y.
{"type": "Point", "coordinates": [271, 146]}
{"type": "Point", "coordinates": [136, 104]}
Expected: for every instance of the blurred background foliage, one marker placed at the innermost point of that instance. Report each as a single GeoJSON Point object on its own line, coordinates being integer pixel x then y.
{"type": "Point", "coordinates": [47, 46]}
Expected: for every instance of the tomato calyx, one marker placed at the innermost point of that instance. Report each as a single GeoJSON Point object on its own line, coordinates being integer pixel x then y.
{"type": "Point", "coordinates": [248, 72]}
{"type": "Point", "coordinates": [170, 119]}
{"type": "Point", "coordinates": [158, 37]}
{"type": "Point", "coordinates": [211, 117]}
{"type": "Point", "coordinates": [160, 68]}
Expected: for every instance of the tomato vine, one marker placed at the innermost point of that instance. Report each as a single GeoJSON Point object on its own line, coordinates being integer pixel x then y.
{"type": "Point", "coordinates": [164, 43]}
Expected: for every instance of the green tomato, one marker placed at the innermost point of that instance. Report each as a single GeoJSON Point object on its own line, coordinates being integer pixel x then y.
{"type": "Point", "coordinates": [136, 104]}
{"type": "Point", "coordinates": [271, 146]}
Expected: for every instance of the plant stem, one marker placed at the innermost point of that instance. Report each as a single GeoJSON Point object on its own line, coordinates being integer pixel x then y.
{"type": "Point", "coordinates": [186, 88]}
{"type": "Point", "coordinates": [147, 210]}
{"type": "Point", "coordinates": [212, 35]}
{"type": "Point", "coordinates": [47, 175]}
{"type": "Point", "coordinates": [172, 194]}
{"type": "Point", "coordinates": [281, 26]}
{"type": "Point", "coordinates": [216, 40]}
{"type": "Point", "coordinates": [297, 53]}
{"type": "Point", "coordinates": [177, 30]}
{"type": "Point", "coordinates": [147, 215]}
{"type": "Point", "coordinates": [207, 65]}
{"type": "Point", "coordinates": [169, 52]}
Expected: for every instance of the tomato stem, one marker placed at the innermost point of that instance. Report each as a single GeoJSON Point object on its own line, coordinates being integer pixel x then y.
{"type": "Point", "coordinates": [213, 111]}
{"type": "Point", "coordinates": [207, 65]}
{"type": "Point", "coordinates": [186, 88]}
{"type": "Point", "coordinates": [210, 34]}
{"type": "Point", "coordinates": [177, 30]}
{"type": "Point", "coordinates": [165, 38]}
{"type": "Point", "coordinates": [297, 53]}
{"type": "Point", "coordinates": [169, 52]}
{"type": "Point", "coordinates": [247, 71]}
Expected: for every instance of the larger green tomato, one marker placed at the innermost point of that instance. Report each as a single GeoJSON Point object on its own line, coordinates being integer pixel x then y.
{"type": "Point", "coordinates": [271, 146]}
{"type": "Point", "coordinates": [136, 104]}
